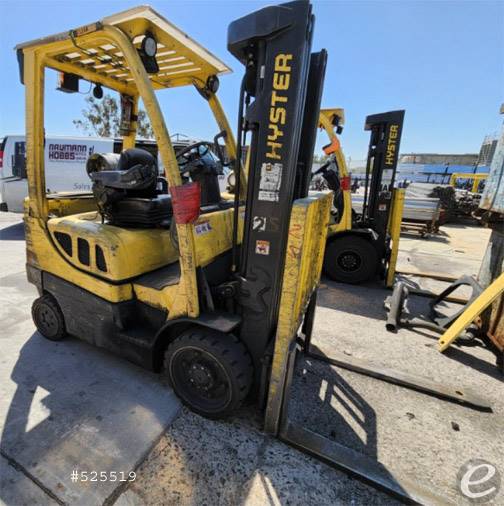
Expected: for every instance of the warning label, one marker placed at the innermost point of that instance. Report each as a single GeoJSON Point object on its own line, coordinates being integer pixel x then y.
{"type": "Point", "coordinates": [202, 228]}
{"type": "Point", "coordinates": [262, 247]}
{"type": "Point", "coordinates": [259, 223]}
{"type": "Point", "coordinates": [271, 179]}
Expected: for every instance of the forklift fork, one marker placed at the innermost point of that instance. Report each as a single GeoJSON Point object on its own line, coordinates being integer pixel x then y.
{"type": "Point", "coordinates": [278, 423]}
{"type": "Point", "coordinates": [298, 299]}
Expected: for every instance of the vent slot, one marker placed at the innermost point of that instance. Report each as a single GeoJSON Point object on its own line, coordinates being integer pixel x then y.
{"type": "Point", "coordinates": [100, 259]}
{"type": "Point", "coordinates": [65, 241]}
{"type": "Point", "coordinates": [83, 251]}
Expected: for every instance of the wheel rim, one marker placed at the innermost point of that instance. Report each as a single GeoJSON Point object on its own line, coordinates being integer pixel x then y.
{"type": "Point", "coordinates": [349, 261]}
{"type": "Point", "coordinates": [200, 379]}
{"type": "Point", "coordinates": [47, 322]}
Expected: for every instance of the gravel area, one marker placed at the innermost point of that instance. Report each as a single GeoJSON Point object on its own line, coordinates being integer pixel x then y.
{"type": "Point", "coordinates": [203, 462]}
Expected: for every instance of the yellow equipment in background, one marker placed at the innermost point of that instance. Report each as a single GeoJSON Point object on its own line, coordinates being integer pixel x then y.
{"type": "Point", "coordinates": [361, 246]}
{"type": "Point", "coordinates": [475, 178]}
{"type": "Point", "coordinates": [471, 312]}
{"type": "Point", "coordinates": [332, 120]}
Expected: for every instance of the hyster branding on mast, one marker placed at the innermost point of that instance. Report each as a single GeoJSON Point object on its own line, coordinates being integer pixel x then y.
{"type": "Point", "coordinates": [274, 44]}
{"type": "Point", "coordinates": [278, 112]}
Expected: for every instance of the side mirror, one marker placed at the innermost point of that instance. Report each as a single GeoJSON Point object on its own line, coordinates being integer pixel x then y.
{"type": "Point", "coordinates": [219, 150]}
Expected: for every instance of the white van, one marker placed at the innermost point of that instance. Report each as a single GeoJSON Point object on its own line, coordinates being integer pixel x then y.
{"type": "Point", "coordinates": [65, 165]}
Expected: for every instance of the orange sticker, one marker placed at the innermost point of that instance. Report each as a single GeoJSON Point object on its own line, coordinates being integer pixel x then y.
{"type": "Point", "coordinates": [262, 247]}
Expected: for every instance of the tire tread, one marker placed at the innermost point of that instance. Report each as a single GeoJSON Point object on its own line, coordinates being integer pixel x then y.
{"type": "Point", "coordinates": [50, 301]}
{"type": "Point", "coordinates": [226, 346]}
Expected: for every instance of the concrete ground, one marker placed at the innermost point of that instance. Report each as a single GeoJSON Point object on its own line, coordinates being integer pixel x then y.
{"type": "Point", "coordinates": [90, 409]}
{"type": "Point", "coordinates": [456, 250]}
{"type": "Point", "coordinates": [67, 405]}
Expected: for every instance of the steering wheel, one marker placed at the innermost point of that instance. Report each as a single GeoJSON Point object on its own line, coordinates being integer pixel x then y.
{"type": "Point", "coordinates": [188, 157]}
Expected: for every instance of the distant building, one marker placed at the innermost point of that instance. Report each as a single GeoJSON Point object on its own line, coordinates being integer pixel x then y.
{"type": "Point", "coordinates": [481, 159]}
{"type": "Point", "coordinates": [469, 159]}
{"type": "Point", "coordinates": [437, 167]}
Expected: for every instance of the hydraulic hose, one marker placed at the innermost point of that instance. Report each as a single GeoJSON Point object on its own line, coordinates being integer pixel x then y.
{"type": "Point", "coordinates": [237, 171]}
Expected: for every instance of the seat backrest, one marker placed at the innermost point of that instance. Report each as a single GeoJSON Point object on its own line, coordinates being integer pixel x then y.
{"type": "Point", "coordinates": [135, 169]}
{"type": "Point", "coordinates": [133, 174]}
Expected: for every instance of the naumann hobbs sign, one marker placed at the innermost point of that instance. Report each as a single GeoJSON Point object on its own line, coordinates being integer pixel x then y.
{"type": "Point", "coordinates": [68, 152]}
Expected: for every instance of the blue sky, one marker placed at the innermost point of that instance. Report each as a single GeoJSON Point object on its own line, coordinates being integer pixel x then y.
{"type": "Point", "coordinates": [442, 61]}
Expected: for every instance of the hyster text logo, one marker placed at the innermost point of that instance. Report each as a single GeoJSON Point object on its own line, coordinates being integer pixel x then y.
{"type": "Point", "coordinates": [392, 145]}
{"type": "Point", "coordinates": [68, 152]}
{"type": "Point", "coordinates": [277, 115]}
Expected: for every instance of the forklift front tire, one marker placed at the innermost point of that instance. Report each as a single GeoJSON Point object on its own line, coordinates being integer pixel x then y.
{"type": "Point", "coordinates": [350, 259]}
{"type": "Point", "coordinates": [211, 372]}
{"type": "Point", "coordinates": [48, 318]}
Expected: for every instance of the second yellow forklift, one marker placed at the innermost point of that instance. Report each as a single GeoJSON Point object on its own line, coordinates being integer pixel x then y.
{"type": "Point", "coordinates": [362, 246]}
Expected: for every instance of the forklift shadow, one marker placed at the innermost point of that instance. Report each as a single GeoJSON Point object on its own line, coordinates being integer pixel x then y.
{"type": "Point", "coordinates": [13, 232]}
{"type": "Point", "coordinates": [75, 406]}
{"type": "Point", "coordinates": [323, 401]}
{"type": "Point", "coordinates": [329, 417]}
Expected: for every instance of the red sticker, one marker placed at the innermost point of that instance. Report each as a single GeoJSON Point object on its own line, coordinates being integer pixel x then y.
{"type": "Point", "coordinates": [345, 183]}
{"type": "Point", "coordinates": [186, 202]}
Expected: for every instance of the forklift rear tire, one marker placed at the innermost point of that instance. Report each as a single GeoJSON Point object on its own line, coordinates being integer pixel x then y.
{"type": "Point", "coordinates": [350, 259]}
{"type": "Point", "coordinates": [48, 318]}
{"type": "Point", "coordinates": [210, 371]}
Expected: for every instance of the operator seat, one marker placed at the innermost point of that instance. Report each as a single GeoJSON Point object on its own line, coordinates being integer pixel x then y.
{"type": "Point", "coordinates": [125, 189]}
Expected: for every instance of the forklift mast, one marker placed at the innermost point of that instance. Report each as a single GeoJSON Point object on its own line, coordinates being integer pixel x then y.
{"type": "Point", "coordinates": [274, 45]}
{"type": "Point", "coordinates": [383, 154]}
{"type": "Point", "coordinates": [318, 62]}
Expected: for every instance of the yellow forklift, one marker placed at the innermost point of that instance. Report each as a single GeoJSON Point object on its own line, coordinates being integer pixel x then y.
{"type": "Point", "coordinates": [474, 179]}
{"type": "Point", "coordinates": [362, 245]}
{"type": "Point", "coordinates": [166, 273]}
{"type": "Point", "coordinates": [218, 296]}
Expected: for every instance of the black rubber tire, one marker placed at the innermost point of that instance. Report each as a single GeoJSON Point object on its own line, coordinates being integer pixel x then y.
{"type": "Point", "coordinates": [222, 355]}
{"type": "Point", "coordinates": [48, 318]}
{"type": "Point", "coordinates": [354, 250]}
